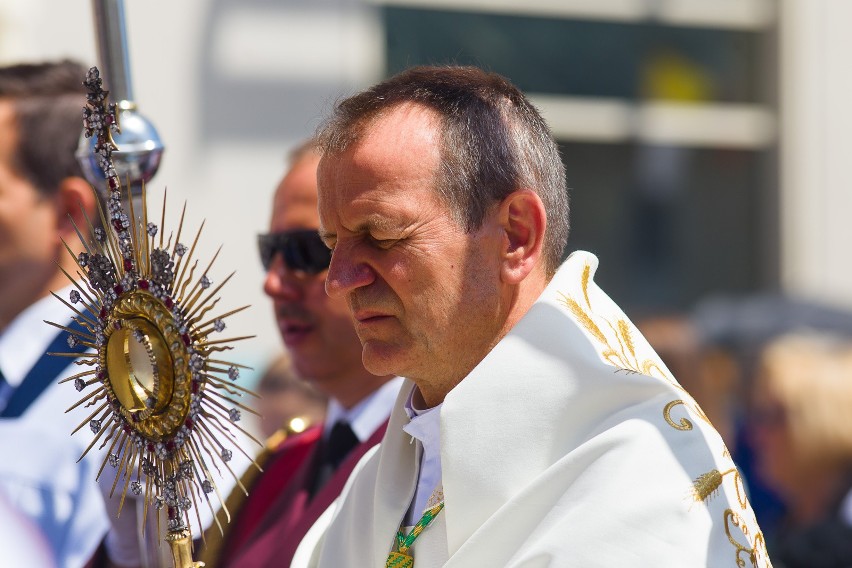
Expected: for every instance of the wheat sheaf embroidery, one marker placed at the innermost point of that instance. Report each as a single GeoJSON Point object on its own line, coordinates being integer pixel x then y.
{"type": "Point", "coordinates": [622, 352]}
{"type": "Point", "coordinates": [619, 350]}
{"type": "Point", "coordinates": [623, 355]}
{"type": "Point", "coordinates": [706, 486]}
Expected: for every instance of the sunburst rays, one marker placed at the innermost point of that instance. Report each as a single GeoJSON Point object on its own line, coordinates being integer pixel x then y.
{"type": "Point", "coordinates": [158, 401]}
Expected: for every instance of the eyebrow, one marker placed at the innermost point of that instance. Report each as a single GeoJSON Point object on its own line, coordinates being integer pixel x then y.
{"type": "Point", "coordinates": [374, 222]}
{"type": "Point", "coordinates": [377, 221]}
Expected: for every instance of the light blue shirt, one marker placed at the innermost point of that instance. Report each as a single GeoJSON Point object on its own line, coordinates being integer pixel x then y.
{"type": "Point", "coordinates": [425, 428]}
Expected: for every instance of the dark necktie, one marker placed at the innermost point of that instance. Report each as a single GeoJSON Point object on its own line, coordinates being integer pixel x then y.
{"type": "Point", "coordinates": [6, 391]}
{"type": "Point", "coordinates": [341, 441]}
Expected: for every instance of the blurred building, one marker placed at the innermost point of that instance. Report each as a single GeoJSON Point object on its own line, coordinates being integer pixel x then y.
{"type": "Point", "coordinates": [706, 141]}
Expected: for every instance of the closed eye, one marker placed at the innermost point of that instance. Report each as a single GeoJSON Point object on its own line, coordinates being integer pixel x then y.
{"type": "Point", "coordinates": [328, 240]}
{"type": "Point", "coordinates": [383, 244]}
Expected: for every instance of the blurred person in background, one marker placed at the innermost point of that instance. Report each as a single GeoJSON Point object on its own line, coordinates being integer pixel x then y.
{"type": "Point", "coordinates": [306, 472]}
{"type": "Point", "coordinates": [287, 404]}
{"type": "Point", "coordinates": [802, 439]}
{"type": "Point", "coordinates": [42, 195]}
{"type": "Point", "coordinates": [736, 329]}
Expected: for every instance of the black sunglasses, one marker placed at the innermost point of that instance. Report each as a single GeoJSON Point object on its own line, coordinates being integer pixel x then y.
{"type": "Point", "coordinates": [301, 250]}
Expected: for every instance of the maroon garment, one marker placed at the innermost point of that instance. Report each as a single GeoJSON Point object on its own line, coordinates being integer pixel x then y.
{"type": "Point", "coordinates": [273, 543]}
{"type": "Point", "coordinates": [279, 470]}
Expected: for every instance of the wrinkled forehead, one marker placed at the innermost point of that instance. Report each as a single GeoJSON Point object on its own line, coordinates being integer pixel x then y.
{"type": "Point", "coordinates": [400, 142]}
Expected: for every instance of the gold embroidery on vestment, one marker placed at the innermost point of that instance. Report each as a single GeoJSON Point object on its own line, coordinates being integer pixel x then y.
{"type": "Point", "coordinates": [624, 357]}
{"type": "Point", "coordinates": [755, 551]}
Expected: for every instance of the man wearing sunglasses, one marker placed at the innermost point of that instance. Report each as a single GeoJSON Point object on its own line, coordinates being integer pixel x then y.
{"type": "Point", "coordinates": [307, 472]}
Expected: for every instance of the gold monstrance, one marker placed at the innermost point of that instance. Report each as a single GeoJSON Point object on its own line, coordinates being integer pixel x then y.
{"type": "Point", "coordinates": [164, 404]}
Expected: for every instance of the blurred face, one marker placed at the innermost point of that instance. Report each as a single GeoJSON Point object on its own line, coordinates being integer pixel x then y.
{"type": "Point", "coordinates": [316, 329]}
{"type": "Point", "coordinates": [28, 221]}
{"type": "Point", "coordinates": [426, 296]}
{"type": "Point", "coordinates": [771, 440]}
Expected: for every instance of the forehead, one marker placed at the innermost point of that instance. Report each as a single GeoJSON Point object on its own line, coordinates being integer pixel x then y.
{"type": "Point", "coordinates": [398, 152]}
{"type": "Point", "coordinates": [295, 202]}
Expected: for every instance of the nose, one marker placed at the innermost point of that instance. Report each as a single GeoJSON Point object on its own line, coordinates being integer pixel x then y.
{"type": "Point", "coordinates": [281, 283]}
{"type": "Point", "coordinates": [347, 271]}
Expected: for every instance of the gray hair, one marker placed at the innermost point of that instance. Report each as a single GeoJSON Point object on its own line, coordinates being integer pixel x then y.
{"type": "Point", "coordinates": [493, 142]}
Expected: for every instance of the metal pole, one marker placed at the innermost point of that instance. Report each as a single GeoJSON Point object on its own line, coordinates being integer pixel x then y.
{"type": "Point", "coordinates": [139, 146]}
{"type": "Point", "coordinates": [112, 49]}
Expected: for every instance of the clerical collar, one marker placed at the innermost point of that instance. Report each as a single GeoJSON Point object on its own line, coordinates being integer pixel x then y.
{"type": "Point", "coordinates": [365, 417]}
{"type": "Point", "coordinates": [425, 427]}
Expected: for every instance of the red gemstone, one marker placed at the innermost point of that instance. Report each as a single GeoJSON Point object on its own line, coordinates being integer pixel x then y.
{"type": "Point", "coordinates": [170, 446]}
{"type": "Point", "coordinates": [110, 119]}
{"type": "Point", "coordinates": [128, 264]}
{"type": "Point", "coordinates": [143, 284]}
{"type": "Point", "coordinates": [117, 224]}
{"type": "Point", "coordinates": [113, 183]}
{"type": "Point", "coordinates": [103, 313]}
{"type": "Point", "coordinates": [118, 289]}
{"type": "Point", "coordinates": [196, 386]}
{"type": "Point", "coordinates": [127, 429]}
{"type": "Point", "coordinates": [185, 338]}
{"type": "Point", "coordinates": [188, 423]}
{"type": "Point", "coordinates": [168, 302]}
{"type": "Point", "coordinates": [150, 447]}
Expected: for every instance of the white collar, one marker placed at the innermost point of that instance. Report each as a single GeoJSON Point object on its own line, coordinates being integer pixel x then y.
{"type": "Point", "coordinates": [26, 339]}
{"type": "Point", "coordinates": [366, 416]}
{"type": "Point", "coordinates": [425, 427]}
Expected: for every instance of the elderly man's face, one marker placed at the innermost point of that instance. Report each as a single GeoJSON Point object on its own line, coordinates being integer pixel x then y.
{"type": "Point", "coordinates": [425, 295]}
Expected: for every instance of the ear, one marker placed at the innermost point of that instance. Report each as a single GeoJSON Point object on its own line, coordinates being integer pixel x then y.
{"type": "Point", "coordinates": [75, 197]}
{"type": "Point", "coordinates": [523, 221]}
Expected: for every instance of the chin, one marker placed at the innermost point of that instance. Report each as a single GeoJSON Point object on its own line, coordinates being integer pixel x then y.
{"type": "Point", "coordinates": [383, 359]}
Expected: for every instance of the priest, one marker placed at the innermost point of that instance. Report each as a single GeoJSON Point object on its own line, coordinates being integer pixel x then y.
{"type": "Point", "coordinates": [536, 427]}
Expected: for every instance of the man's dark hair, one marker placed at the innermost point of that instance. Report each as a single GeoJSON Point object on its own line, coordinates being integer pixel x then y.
{"type": "Point", "coordinates": [48, 100]}
{"type": "Point", "coordinates": [493, 142]}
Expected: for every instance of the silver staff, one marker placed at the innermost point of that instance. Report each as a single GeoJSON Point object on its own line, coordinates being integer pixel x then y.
{"type": "Point", "coordinates": [139, 146]}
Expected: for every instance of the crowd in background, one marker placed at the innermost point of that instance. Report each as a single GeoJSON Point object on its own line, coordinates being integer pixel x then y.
{"type": "Point", "coordinates": [774, 375]}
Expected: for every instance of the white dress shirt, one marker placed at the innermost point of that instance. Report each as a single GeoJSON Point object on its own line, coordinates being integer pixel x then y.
{"type": "Point", "coordinates": [39, 475]}
{"type": "Point", "coordinates": [365, 417]}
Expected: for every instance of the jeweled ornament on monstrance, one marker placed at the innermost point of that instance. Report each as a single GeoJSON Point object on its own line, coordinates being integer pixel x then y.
{"type": "Point", "coordinates": [163, 394]}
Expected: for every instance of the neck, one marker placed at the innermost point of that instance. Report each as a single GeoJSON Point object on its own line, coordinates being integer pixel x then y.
{"type": "Point", "coordinates": [519, 300]}
{"type": "Point", "coordinates": [353, 390]}
{"type": "Point", "coordinates": [17, 293]}
{"type": "Point", "coordinates": [20, 293]}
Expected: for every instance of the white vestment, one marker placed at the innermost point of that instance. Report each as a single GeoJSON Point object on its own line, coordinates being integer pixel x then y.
{"type": "Point", "coordinates": [570, 444]}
